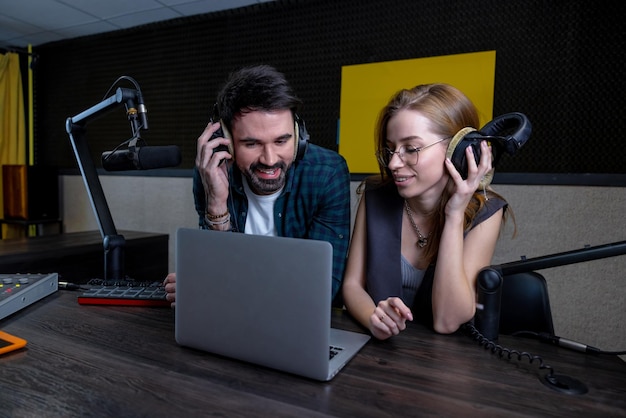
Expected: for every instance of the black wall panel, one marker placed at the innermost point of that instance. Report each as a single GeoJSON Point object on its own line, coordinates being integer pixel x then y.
{"type": "Point", "coordinates": [560, 62]}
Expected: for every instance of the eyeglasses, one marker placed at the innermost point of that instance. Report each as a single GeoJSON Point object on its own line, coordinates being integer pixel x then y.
{"type": "Point", "coordinates": [407, 153]}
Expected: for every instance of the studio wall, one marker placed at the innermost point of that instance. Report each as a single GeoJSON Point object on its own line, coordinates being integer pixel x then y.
{"type": "Point", "coordinates": [559, 62]}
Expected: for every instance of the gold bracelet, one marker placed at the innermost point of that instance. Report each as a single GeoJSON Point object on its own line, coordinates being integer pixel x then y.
{"type": "Point", "coordinates": [214, 217]}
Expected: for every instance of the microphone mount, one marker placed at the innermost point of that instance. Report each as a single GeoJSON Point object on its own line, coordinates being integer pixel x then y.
{"type": "Point", "coordinates": [75, 126]}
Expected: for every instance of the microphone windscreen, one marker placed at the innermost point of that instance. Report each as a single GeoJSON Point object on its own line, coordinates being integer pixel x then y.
{"type": "Point", "coordinates": [120, 160]}
{"type": "Point", "coordinates": [159, 157]}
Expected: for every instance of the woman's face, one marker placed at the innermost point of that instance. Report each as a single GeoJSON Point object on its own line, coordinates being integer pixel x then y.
{"type": "Point", "coordinates": [421, 173]}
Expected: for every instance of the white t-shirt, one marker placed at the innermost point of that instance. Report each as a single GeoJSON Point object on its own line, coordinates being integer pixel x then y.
{"type": "Point", "coordinates": [260, 217]}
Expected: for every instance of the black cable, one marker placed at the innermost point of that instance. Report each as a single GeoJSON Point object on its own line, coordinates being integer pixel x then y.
{"type": "Point", "coordinates": [136, 85]}
{"type": "Point", "coordinates": [613, 353]}
{"type": "Point", "coordinates": [502, 352]}
{"type": "Point", "coordinates": [564, 342]}
{"type": "Point", "coordinates": [124, 77]}
{"type": "Point", "coordinates": [137, 136]}
{"type": "Point", "coordinates": [572, 345]}
{"type": "Point", "coordinates": [70, 286]}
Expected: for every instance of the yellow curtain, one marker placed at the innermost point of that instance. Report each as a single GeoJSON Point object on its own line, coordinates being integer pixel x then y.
{"type": "Point", "coordinates": [12, 124]}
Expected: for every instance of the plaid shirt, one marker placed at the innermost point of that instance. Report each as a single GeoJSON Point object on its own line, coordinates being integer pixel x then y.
{"type": "Point", "coordinates": [314, 204]}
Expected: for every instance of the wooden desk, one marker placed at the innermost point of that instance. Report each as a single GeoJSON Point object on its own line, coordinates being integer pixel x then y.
{"type": "Point", "coordinates": [79, 256]}
{"type": "Point", "coordinates": [124, 361]}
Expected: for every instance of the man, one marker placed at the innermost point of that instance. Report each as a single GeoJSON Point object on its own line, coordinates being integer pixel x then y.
{"type": "Point", "coordinates": [265, 178]}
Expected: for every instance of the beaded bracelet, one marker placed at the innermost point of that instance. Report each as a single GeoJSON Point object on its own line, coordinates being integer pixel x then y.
{"type": "Point", "coordinates": [214, 217]}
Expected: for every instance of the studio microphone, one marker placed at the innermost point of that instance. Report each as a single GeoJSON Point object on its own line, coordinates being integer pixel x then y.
{"type": "Point", "coordinates": [141, 158]}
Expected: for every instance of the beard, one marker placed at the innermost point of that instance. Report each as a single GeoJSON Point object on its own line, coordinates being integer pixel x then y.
{"type": "Point", "coordinates": [263, 186]}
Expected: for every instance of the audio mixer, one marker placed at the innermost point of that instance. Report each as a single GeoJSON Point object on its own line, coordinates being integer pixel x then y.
{"type": "Point", "coordinates": [18, 291]}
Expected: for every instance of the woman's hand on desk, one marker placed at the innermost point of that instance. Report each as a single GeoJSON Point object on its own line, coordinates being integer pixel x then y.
{"type": "Point", "coordinates": [389, 318]}
{"type": "Point", "coordinates": [169, 284]}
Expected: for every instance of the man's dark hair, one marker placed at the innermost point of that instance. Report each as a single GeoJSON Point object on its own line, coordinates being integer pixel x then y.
{"type": "Point", "coordinates": [259, 87]}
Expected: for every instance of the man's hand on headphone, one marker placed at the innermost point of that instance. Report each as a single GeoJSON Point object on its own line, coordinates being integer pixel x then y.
{"type": "Point", "coordinates": [213, 173]}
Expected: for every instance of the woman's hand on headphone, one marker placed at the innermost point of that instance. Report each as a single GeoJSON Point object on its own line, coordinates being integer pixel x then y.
{"type": "Point", "coordinates": [213, 173]}
{"type": "Point", "coordinates": [464, 189]}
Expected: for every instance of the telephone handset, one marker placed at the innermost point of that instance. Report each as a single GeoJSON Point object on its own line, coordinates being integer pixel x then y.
{"type": "Point", "coordinates": [489, 295]}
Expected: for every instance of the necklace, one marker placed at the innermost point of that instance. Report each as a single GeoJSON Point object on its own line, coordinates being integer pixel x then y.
{"type": "Point", "coordinates": [421, 239]}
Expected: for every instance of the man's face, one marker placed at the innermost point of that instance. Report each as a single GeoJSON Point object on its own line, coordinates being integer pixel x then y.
{"type": "Point", "coordinates": [264, 145]}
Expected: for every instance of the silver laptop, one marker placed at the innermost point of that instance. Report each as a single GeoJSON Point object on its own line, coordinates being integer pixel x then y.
{"type": "Point", "coordinates": [263, 300]}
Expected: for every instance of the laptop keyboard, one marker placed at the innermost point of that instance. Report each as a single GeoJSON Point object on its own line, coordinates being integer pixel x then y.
{"type": "Point", "coordinates": [334, 351]}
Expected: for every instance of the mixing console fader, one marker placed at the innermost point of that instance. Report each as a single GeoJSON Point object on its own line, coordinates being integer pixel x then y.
{"type": "Point", "coordinates": [18, 291]}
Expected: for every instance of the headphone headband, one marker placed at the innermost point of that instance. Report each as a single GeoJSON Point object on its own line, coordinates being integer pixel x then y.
{"type": "Point", "coordinates": [510, 131]}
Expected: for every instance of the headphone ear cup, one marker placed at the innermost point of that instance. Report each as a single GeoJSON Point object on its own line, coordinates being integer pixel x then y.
{"type": "Point", "coordinates": [226, 134]}
{"type": "Point", "coordinates": [507, 132]}
{"type": "Point", "coordinates": [467, 137]}
{"type": "Point", "coordinates": [302, 139]}
{"type": "Point", "coordinates": [456, 150]}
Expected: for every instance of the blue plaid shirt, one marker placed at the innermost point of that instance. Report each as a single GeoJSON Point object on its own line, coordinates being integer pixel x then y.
{"type": "Point", "coordinates": [314, 204]}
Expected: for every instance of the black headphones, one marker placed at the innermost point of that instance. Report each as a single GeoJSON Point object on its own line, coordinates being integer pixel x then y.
{"type": "Point", "coordinates": [301, 136]}
{"type": "Point", "coordinates": [508, 132]}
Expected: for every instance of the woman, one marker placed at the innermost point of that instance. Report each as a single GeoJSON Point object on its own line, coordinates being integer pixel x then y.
{"type": "Point", "coordinates": [422, 232]}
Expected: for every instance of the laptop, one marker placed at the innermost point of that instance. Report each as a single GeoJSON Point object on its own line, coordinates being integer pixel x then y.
{"type": "Point", "coordinates": [260, 299]}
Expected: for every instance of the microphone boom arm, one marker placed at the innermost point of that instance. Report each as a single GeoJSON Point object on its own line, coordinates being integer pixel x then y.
{"type": "Point", "coordinates": [121, 95]}
{"type": "Point", "coordinates": [563, 258]}
{"type": "Point", "coordinates": [113, 242]}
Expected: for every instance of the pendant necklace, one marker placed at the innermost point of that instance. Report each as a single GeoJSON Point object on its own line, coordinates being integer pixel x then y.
{"type": "Point", "coordinates": [421, 239]}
